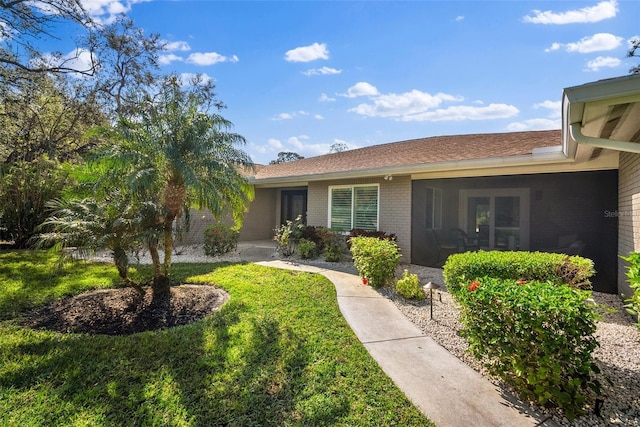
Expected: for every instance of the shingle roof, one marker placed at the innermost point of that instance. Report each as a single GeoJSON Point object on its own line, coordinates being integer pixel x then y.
{"type": "Point", "coordinates": [421, 151]}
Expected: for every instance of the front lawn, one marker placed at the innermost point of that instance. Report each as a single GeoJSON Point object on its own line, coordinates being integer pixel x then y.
{"type": "Point", "coordinates": [278, 353]}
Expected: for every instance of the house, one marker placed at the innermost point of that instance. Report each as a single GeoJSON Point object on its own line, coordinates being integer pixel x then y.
{"type": "Point", "coordinates": [572, 190]}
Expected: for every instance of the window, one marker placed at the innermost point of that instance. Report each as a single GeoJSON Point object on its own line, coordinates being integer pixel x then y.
{"type": "Point", "coordinates": [434, 208]}
{"type": "Point", "coordinates": [353, 207]}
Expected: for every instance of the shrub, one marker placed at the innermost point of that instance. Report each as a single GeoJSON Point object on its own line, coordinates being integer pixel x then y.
{"type": "Point", "coordinates": [333, 252]}
{"type": "Point", "coordinates": [375, 259]}
{"type": "Point", "coordinates": [220, 239]}
{"type": "Point", "coordinates": [574, 271]}
{"type": "Point", "coordinates": [536, 336]}
{"type": "Point", "coordinates": [633, 276]}
{"type": "Point", "coordinates": [360, 232]}
{"type": "Point", "coordinates": [307, 249]}
{"type": "Point", "coordinates": [409, 286]}
{"type": "Point", "coordinates": [288, 235]}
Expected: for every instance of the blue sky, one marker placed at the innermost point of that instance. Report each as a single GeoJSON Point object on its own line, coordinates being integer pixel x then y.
{"type": "Point", "coordinates": [300, 76]}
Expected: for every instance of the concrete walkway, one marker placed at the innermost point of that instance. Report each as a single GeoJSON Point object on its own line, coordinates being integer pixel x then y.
{"type": "Point", "coordinates": [445, 389]}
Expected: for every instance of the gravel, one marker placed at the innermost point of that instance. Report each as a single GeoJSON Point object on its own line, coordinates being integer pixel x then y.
{"type": "Point", "coordinates": [618, 355]}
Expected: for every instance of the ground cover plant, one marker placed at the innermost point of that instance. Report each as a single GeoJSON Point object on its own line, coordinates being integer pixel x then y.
{"type": "Point", "coordinates": [277, 353]}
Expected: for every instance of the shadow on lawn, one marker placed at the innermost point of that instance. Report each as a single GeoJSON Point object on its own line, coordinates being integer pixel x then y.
{"type": "Point", "coordinates": [224, 370]}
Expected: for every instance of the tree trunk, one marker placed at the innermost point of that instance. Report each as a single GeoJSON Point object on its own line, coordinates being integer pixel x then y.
{"type": "Point", "coordinates": [168, 245]}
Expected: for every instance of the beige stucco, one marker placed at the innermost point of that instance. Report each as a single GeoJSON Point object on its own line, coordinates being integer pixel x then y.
{"type": "Point", "coordinates": [628, 213]}
{"type": "Point", "coordinates": [260, 219]}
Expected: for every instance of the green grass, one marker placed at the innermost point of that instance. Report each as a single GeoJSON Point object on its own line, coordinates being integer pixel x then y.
{"type": "Point", "coordinates": [278, 353]}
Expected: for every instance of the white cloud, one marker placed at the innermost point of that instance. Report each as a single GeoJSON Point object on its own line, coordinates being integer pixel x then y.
{"type": "Point", "coordinates": [534, 124]}
{"type": "Point", "coordinates": [602, 62]}
{"type": "Point", "coordinates": [601, 11]}
{"type": "Point", "coordinates": [459, 18]}
{"type": "Point", "coordinates": [181, 46]}
{"type": "Point", "coordinates": [318, 117]}
{"type": "Point", "coordinates": [554, 107]}
{"type": "Point", "coordinates": [361, 89]}
{"type": "Point", "coordinates": [275, 143]}
{"type": "Point", "coordinates": [595, 43]}
{"type": "Point", "coordinates": [78, 59]}
{"type": "Point", "coordinates": [289, 116]}
{"type": "Point", "coordinates": [631, 41]}
{"type": "Point", "coordinates": [169, 58]}
{"type": "Point", "coordinates": [465, 112]}
{"type": "Point", "coordinates": [321, 71]}
{"type": "Point", "coordinates": [188, 79]}
{"type": "Point", "coordinates": [408, 103]}
{"type": "Point", "coordinates": [307, 53]}
{"type": "Point", "coordinates": [106, 11]}
{"type": "Point", "coordinates": [210, 58]}
{"type": "Point", "coordinates": [325, 98]}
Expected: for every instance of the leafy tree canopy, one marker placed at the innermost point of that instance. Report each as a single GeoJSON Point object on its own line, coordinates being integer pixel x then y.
{"type": "Point", "coordinates": [286, 156]}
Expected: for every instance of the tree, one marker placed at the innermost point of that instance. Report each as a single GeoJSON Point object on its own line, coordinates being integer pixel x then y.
{"type": "Point", "coordinates": [634, 51]}
{"type": "Point", "coordinates": [114, 223]}
{"type": "Point", "coordinates": [175, 154]}
{"type": "Point", "coordinates": [23, 23]}
{"type": "Point", "coordinates": [128, 65]}
{"type": "Point", "coordinates": [338, 147]}
{"type": "Point", "coordinates": [286, 156]}
{"type": "Point", "coordinates": [47, 115]}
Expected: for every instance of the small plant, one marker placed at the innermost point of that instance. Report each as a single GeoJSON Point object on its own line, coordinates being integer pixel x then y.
{"type": "Point", "coordinates": [220, 239]}
{"type": "Point", "coordinates": [288, 235]}
{"type": "Point", "coordinates": [307, 249]}
{"type": "Point", "coordinates": [409, 286]}
{"type": "Point", "coordinates": [375, 259]}
{"type": "Point", "coordinates": [633, 276]}
{"type": "Point", "coordinates": [333, 252]}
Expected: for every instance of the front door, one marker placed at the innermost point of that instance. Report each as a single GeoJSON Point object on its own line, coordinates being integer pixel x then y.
{"type": "Point", "coordinates": [293, 204]}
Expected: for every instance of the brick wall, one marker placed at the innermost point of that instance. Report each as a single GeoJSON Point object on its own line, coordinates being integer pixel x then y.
{"type": "Point", "coordinates": [394, 206]}
{"type": "Point", "coordinates": [628, 213]}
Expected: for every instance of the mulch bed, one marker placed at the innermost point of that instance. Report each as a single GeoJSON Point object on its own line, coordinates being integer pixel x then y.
{"type": "Point", "coordinates": [124, 311]}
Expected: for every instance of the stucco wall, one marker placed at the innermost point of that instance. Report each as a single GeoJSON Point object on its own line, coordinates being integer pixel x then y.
{"type": "Point", "coordinates": [394, 205]}
{"type": "Point", "coordinates": [260, 219]}
{"type": "Point", "coordinates": [628, 213]}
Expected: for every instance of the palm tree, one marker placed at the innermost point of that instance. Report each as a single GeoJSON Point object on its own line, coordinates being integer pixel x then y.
{"type": "Point", "coordinates": [114, 224]}
{"type": "Point", "coordinates": [178, 154]}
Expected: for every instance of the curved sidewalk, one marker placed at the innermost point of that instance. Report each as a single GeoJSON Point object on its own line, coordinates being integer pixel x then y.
{"type": "Point", "coordinates": [445, 389]}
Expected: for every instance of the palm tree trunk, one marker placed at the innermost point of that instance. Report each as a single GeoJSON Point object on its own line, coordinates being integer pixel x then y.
{"type": "Point", "coordinates": [168, 245]}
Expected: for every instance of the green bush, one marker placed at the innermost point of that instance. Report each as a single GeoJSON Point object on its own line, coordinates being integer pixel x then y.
{"type": "Point", "coordinates": [536, 336]}
{"type": "Point", "coordinates": [633, 276]}
{"type": "Point", "coordinates": [220, 239]}
{"type": "Point", "coordinates": [409, 286]}
{"type": "Point", "coordinates": [574, 271]}
{"type": "Point", "coordinates": [288, 235]}
{"type": "Point", "coordinates": [307, 249]}
{"type": "Point", "coordinates": [375, 259]}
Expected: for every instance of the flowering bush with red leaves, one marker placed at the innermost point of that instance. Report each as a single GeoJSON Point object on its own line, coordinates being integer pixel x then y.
{"type": "Point", "coordinates": [474, 285]}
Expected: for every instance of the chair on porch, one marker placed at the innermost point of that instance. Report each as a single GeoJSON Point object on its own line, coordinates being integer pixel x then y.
{"type": "Point", "coordinates": [443, 248]}
{"type": "Point", "coordinates": [463, 241]}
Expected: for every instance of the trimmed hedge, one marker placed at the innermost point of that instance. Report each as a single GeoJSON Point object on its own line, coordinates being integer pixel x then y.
{"type": "Point", "coordinates": [537, 336]}
{"type": "Point", "coordinates": [574, 271]}
{"type": "Point", "coordinates": [375, 259]}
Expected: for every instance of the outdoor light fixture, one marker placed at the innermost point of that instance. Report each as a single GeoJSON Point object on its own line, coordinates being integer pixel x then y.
{"type": "Point", "coordinates": [388, 178]}
{"type": "Point", "coordinates": [430, 286]}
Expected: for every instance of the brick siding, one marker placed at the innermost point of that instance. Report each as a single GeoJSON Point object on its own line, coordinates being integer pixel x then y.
{"type": "Point", "coordinates": [628, 213]}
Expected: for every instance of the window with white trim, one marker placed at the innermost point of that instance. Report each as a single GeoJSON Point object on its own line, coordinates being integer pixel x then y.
{"type": "Point", "coordinates": [353, 206]}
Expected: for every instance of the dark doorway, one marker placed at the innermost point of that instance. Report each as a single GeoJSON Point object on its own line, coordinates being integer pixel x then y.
{"type": "Point", "coordinates": [294, 203]}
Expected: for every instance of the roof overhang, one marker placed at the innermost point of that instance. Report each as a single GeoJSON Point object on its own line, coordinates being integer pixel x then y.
{"type": "Point", "coordinates": [603, 114]}
{"type": "Point", "coordinates": [546, 160]}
